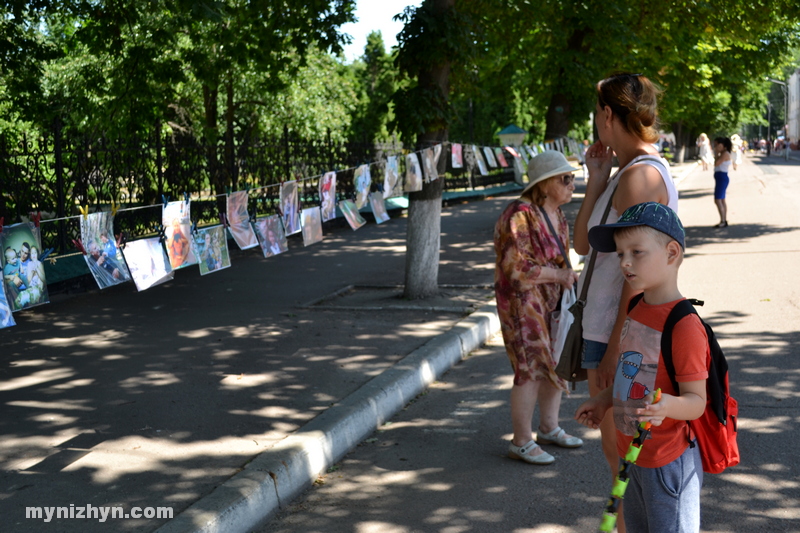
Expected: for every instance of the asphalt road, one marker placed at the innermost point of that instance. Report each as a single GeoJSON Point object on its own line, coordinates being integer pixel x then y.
{"type": "Point", "coordinates": [440, 465]}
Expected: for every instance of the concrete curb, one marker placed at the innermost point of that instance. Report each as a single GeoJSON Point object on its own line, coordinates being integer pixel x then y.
{"type": "Point", "coordinates": [277, 476]}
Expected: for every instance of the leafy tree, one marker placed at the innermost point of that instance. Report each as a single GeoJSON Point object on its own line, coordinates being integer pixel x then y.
{"type": "Point", "coordinates": [377, 81]}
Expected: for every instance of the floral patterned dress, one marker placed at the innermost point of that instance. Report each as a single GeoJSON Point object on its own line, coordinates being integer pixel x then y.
{"type": "Point", "coordinates": [524, 244]}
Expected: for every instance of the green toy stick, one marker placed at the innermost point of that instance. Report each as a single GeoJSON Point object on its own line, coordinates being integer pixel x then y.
{"type": "Point", "coordinates": [621, 482]}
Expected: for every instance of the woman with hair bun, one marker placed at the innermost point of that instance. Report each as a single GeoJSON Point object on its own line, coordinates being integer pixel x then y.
{"type": "Point", "coordinates": [626, 116]}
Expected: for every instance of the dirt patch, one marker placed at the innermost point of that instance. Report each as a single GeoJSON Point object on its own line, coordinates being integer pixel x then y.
{"type": "Point", "coordinates": [463, 299]}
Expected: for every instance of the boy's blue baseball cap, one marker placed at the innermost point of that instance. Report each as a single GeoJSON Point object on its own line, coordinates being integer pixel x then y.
{"type": "Point", "coordinates": [653, 214]}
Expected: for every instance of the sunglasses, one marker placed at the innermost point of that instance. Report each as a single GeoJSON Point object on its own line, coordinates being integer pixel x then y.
{"type": "Point", "coordinates": [567, 180]}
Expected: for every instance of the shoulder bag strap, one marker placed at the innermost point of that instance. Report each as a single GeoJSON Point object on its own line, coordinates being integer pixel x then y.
{"type": "Point", "coordinates": [593, 258]}
{"type": "Point", "coordinates": [564, 254]}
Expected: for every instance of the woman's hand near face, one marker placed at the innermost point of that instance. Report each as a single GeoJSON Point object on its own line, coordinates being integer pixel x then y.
{"type": "Point", "coordinates": [598, 162]}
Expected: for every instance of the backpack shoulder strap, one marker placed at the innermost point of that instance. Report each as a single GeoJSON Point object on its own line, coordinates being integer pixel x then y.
{"type": "Point", "coordinates": [681, 310]}
{"type": "Point", "coordinates": [635, 300]}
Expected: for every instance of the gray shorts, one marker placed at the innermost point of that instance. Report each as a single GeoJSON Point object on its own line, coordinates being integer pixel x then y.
{"type": "Point", "coordinates": [665, 499]}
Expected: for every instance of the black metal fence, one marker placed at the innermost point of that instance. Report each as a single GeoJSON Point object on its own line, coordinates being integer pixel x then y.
{"type": "Point", "coordinates": [56, 176]}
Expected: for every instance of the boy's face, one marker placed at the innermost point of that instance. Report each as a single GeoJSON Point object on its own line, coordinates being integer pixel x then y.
{"type": "Point", "coordinates": [644, 260]}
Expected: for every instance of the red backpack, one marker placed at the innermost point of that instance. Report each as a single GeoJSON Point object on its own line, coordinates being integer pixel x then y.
{"type": "Point", "coordinates": [716, 429]}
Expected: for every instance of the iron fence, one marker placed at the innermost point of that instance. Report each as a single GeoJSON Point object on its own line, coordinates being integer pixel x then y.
{"type": "Point", "coordinates": [56, 176]}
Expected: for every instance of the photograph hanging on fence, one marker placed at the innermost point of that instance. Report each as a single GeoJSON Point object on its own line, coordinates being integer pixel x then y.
{"type": "Point", "coordinates": [271, 236]}
{"type": "Point", "coordinates": [103, 257]}
{"type": "Point", "coordinates": [6, 315]}
{"type": "Point", "coordinates": [290, 207]}
{"type": "Point", "coordinates": [211, 249]}
{"type": "Point", "coordinates": [391, 178]}
{"type": "Point", "coordinates": [429, 164]}
{"type": "Point", "coordinates": [23, 270]}
{"type": "Point", "coordinates": [239, 221]}
{"type": "Point", "coordinates": [148, 262]}
{"type": "Point", "coordinates": [457, 159]}
{"type": "Point", "coordinates": [501, 159]}
{"type": "Point", "coordinates": [175, 216]}
{"type": "Point", "coordinates": [312, 226]}
{"type": "Point", "coordinates": [362, 180]}
{"type": "Point", "coordinates": [413, 173]}
{"type": "Point", "coordinates": [490, 160]}
{"type": "Point", "coordinates": [327, 195]}
{"type": "Point", "coordinates": [522, 153]}
{"type": "Point", "coordinates": [351, 214]}
{"type": "Point", "coordinates": [479, 161]}
{"type": "Point", "coordinates": [378, 207]}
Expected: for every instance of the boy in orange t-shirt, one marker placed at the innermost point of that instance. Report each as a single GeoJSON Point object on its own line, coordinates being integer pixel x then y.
{"type": "Point", "coordinates": [664, 490]}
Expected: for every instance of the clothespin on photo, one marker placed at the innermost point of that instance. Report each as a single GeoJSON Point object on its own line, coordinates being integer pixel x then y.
{"type": "Point", "coordinates": [85, 212]}
{"type": "Point", "coordinates": [194, 228]}
{"type": "Point", "coordinates": [44, 255]}
{"type": "Point", "coordinates": [79, 245]}
{"type": "Point", "coordinates": [223, 219]}
{"type": "Point", "coordinates": [114, 208]}
{"type": "Point", "coordinates": [161, 233]}
{"type": "Point", "coordinates": [36, 218]}
{"type": "Point", "coordinates": [186, 197]}
{"type": "Point", "coordinates": [165, 199]}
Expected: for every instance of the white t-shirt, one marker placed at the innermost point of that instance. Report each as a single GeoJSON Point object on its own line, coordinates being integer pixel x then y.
{"type": "Point", "coordinates": [605, 288]}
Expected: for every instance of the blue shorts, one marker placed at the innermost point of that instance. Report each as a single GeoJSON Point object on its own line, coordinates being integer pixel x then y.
{"type": "Point", "coordinates": [666, 499]}
{"type": "Point", "coordinates": [721, 181]}
{"type": "Point", "coordinates": [593, 353]}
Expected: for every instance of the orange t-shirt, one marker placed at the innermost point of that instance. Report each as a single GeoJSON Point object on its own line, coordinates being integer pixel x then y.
{"type": "Point", "coordinates": [641, 370]}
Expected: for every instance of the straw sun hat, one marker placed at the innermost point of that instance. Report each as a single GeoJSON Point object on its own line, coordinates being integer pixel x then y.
{"type": "Point", "coordinates": [546, 165]}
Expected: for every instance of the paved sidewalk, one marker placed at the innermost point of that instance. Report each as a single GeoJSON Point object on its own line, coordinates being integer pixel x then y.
{"type": "Point", "coordinates": [439, 465]}
{"type": "Point", "coordinates": [155, 399]}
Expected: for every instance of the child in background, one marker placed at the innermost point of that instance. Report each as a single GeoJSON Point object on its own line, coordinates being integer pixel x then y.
{"type": "Point", "coordinates": [664, 490]}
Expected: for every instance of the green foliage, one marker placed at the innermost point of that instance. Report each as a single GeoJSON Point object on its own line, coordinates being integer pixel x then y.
{"type": "Point", "coordinates": [376, 79]}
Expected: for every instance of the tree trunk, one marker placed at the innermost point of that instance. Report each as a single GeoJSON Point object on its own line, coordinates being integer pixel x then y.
{"type": "Point", "coordinates": [680, 142]}
{"type": "Point", "coordinates": [425, 206]}
{"type": "Point", "coordinates": [557, 117]}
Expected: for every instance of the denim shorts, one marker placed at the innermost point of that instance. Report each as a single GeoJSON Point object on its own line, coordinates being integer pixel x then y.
{"type": "Point", "coordinates": [593, 353]}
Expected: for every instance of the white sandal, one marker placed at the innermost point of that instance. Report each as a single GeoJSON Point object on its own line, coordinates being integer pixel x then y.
{"type": "Point", "coordinates": [521, 453]}
{"type": "Point", "coordinates": [559, 437]}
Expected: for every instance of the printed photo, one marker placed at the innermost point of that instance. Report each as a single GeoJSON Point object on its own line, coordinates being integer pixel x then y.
{"type": "Point", "coordinates": [239, 221]}
{"type": "Point", "coordinates": [103, 257]}
{"type": "Point", "coordinates": [413, 173]}
{"type": "Point", "coordinates": [312, 226]}
{"type": "Point", "coordinates": [23, 271]}
{"type": "Point", "coordinates": [479, 161]}
{"type": "Point", "coordinates": [378, 207]}
{"type": "Point", "coordinates": [457, 159]}
{"type": "Point", "coordinates": [351, 214]}
{"type": "Point", "coordinates": [148, 263]}
{"type": "Point", "coordinates": [290, 207]}
{"type": "Point", "coordinates": [429, 164]}
{"type": "Point", "coordinates": [490, 160]}
{"type": "Point", "coordinates": [177, 225]}
{"type": "Point", "coordinates": [271, 235]}
{"type": "Point", "coordinates": [362, 180]}
{"type": "Point", "coordinates": [391, 177]}
{"type": "Point", "coordinates": [6, 316]}
{"type": "Point", "coordinates": [211, 249]}
{"type": "Point", "coordinates": [501, 158]}
{"type": "Point", "coordinates": [327, 195]}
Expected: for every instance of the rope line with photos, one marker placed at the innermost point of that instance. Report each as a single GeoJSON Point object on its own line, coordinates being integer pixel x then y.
{"type": "Point", "coordinates": [179, 243]}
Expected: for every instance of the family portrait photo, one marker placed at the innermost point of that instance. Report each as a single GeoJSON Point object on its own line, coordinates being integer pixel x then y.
{"type": "Point", "coordinates": [103, 257]}
{"type": "Point", "coordinates": [23, 272]}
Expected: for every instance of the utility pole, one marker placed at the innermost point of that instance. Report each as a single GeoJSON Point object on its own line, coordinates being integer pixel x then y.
{"type": "Point", "coordinates": [784, 88]}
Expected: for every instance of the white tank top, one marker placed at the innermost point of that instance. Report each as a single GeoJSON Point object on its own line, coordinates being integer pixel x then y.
{"type": "Point", "coordinates": [605, 288]}
{"type": "Point", "coordinates": [723, 167]}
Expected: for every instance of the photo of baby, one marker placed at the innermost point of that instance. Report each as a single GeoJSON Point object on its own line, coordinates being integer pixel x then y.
{"type": "Point", "coordinates": [23, 272]}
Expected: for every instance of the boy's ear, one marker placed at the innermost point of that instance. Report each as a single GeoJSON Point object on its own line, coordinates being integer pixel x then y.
{"type": "Point", "coordinates": [673, 251]}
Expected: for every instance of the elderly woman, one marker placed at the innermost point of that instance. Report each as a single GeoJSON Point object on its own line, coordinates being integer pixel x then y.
{"type": "Point", "coordinates": [530, 276]}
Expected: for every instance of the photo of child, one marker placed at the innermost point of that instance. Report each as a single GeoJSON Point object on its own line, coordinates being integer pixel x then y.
{"type": "Point", "coordinates": [362, 180]}
{"type": "Point", "coordinates": [413, 173]}
{"type": "Point", "coordinates": [312, 226]}
{"type": "Point", "coordinates": [351, 214]}
{"type": "Point", "coordinates": [103, 258]}
{"type": "Point", "coordinates": [456, 159]}
{"type": "Point", "coordinates": [290, 207]}
{"type": "Point", "coordinates": [148, 263]}
{"type": "Point", "coordinates": [177, 225]}
{"type": "Point", "coordinates": [211, 249]}
{"type": "Point", "coordinates": [429, 163]}
{"type": "Point", "coordinates": [239, 221]}
{"type": "Point", "coordinates": [271, 235]}
{"type": "Point", "coordinates": [391, 176]}
{"type": "Point", "coordinates": [378, 207]}
{"type": "Point", "coordinates": [327, 196]}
